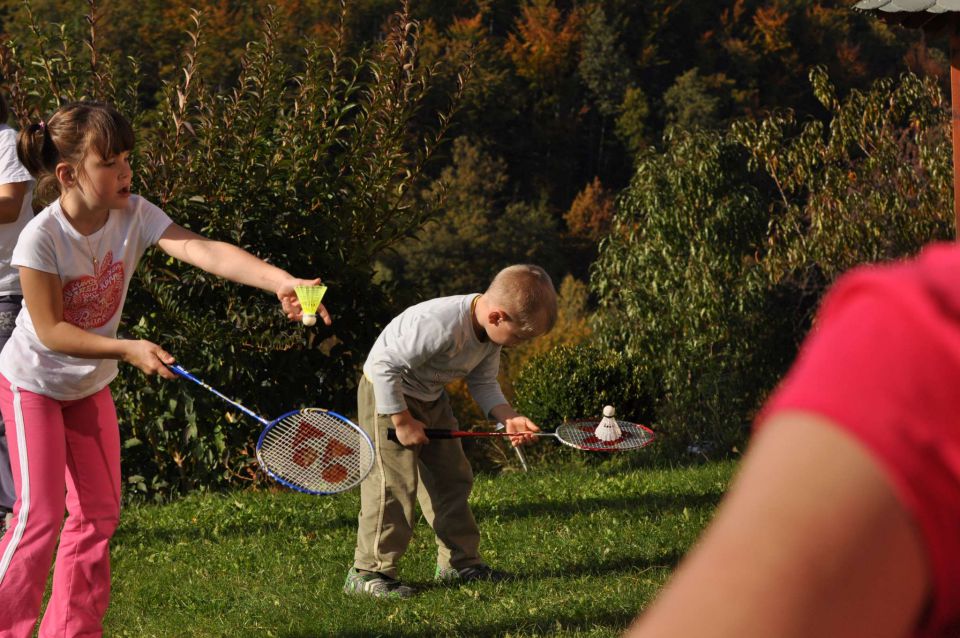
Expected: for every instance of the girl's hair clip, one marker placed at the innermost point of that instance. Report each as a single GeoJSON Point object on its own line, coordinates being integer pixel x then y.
{"type": "Point", "coordinates": [42, 125]}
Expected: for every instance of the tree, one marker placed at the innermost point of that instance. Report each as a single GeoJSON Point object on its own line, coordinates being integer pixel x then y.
{"type": "Point", "coordinates": [632, 127]}
{"type": "Point", "coordinates": [696, 101]}
{"type": "Point", "coordinates": [590, 213]}
{"type": "Point", "coordinates": [479, 231]}
{"type": "Point", "coordinates": [544, 44]}
{"type": "Point", "coordinates": [723, 243]}
{"type": "Point", "coordinates": [603, 65]}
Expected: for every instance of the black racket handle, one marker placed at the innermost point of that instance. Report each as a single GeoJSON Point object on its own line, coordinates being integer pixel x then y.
{"type": "Point", "coordinates": [432, 433]}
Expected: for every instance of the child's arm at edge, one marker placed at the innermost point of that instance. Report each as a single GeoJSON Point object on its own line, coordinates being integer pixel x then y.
{"type": "Point", "coordinates": [11, 201]}
{"type": "Point", "coordinates": [811, 540]}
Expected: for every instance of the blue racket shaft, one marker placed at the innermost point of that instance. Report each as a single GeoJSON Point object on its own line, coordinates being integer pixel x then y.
{"type": "Point", "coordinates": [186, 375]}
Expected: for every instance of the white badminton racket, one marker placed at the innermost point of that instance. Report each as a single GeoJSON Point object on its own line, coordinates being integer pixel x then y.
{"type": "Point", "coordinates": [576, 434]}
{"type": "Point", "coordinates": [310, 450]}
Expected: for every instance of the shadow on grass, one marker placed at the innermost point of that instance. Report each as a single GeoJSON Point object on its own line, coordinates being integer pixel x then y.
{"type": "Point", "coordinates": [619, 565]}
{"type": "Point", "coordinates": [129, 531]}
{"type": "Point", "coordinates": [533, 625]}
{"type": "Point", "coordinates": [652, 503]}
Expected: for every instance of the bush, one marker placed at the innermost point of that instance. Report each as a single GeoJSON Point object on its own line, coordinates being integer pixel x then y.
{"type": "Point", "coordinates": [677, 287]}
{"type": "Point", "coordinates": [310, 170]}
{"type": "Point", "coordinates": [723, 244]}
{"type": "Point", "coordinates": [570, 383]}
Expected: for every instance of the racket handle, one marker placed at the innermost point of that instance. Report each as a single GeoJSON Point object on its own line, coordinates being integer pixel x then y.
{"type": "Point", "coordinates": [432, 433]}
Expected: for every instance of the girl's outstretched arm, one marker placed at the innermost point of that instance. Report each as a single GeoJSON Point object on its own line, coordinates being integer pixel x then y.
{"type": "Point", "coordinates": [810, 541]}
{"type": "Point", "coordinates": [43, 295]}
{"type": "Point", "coordinates": [233, 263]}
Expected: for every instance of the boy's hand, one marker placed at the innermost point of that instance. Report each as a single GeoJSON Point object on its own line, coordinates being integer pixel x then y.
{"type": "Point", "coordinates": [409, 430]}
{"type": "Point", "coordinates": [149, 357]}
{"type": "Point", "coordinates": [522, 427]}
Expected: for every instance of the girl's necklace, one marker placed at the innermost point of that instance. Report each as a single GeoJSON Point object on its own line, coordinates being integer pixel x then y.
{"type": "Point", "coordinates": [94, 253]}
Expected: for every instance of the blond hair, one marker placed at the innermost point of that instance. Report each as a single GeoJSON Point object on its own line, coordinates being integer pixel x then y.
{"type": "Point", "coordinates": [527, 293]}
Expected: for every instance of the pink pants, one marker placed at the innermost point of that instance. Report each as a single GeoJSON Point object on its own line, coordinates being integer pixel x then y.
{"type": "Point", "coordinates": [63, 454]}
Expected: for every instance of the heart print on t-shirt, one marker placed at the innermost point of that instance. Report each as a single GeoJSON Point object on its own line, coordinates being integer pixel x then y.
{"type": "Point", "coordinates": [89, 302]}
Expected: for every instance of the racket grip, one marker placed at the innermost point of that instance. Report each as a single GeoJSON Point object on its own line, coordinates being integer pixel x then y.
{"type": "Point", "coordinates": [432, 433]}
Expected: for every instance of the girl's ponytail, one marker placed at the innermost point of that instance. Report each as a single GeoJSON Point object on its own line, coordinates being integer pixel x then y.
{"type": "Point", "coordinates": [39, 155]}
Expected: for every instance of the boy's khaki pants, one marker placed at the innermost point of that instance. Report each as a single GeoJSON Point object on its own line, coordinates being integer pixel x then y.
{"type": "Point", "coordinates": [438, 475]}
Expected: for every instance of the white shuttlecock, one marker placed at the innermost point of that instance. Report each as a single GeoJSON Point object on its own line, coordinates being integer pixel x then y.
{"type": "Point", "coordinates": [608, 429]}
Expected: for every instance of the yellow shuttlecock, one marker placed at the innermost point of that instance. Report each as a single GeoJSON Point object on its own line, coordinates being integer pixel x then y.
{"type": "Point", "coordinates": [310, 297]}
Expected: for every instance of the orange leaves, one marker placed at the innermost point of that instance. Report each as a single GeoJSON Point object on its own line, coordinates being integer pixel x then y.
{"type": "Point", "coordinates": [543, 46]}
{"type": "Point", "coordinates": [591, 212]}
{"type": "Point", "coordinates": [469, 29]}
{"type": "Point", "coordinates": [772, 29]}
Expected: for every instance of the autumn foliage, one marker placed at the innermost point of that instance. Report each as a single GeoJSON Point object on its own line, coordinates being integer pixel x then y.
{"type": "Point", "coordinates": [652, 155]}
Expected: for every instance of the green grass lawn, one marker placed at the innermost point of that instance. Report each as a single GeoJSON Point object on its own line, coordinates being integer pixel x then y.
{"type": "Point", "coordinates": [591, 544]}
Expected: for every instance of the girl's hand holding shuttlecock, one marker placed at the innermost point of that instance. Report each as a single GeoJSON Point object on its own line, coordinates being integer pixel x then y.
{"type": "Point", "coordinates": [300, 299]}
{"type": "Point", "coordinates": [309, 298]}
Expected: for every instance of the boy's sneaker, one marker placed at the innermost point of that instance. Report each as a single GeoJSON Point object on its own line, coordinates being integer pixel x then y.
{"type": "Point", "coordinates": [481, 572]}
{"type": "Point", "coordinates": [375, 584]}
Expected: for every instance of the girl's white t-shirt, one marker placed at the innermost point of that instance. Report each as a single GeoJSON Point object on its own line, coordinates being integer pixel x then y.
{"type": "Point", "coordinates": [92, 299]}
{"type": "Point", "coordinates": [12, 172]}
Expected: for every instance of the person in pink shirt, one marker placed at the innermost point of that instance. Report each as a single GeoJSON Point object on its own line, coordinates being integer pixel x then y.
{"type": "Point", "coordinates": [76, 259]}
{"type": "Point", "coordinates": [844, 519]}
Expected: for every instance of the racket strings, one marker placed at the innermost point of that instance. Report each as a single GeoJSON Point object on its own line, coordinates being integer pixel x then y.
{"type": "Point", "coordinates": [582, 435]}
{"type": "Point", "coordinates": [316, 451]}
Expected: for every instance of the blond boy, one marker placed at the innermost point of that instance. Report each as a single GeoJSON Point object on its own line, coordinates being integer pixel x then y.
{"type": "Point", "coordinates": [424, 348]}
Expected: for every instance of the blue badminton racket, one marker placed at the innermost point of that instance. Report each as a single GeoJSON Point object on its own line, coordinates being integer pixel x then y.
{"type": "Point", "coordinates": [311, 450]}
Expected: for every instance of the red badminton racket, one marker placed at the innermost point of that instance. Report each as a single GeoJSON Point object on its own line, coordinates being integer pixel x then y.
{"type": "Point", "coordinates": [580, 435]}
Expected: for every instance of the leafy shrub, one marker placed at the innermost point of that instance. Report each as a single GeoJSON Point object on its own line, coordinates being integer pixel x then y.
{"type": "Point", "coordinates": [723, 243]}
{"type": "Point", "coordinates": [873, 184]}
{"type": "Point", "coordinates": [312, 171]}
{"type": "Point", "coordinates": [569, 383]}
{"type": "Point", "coordinates": [678, 290]}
